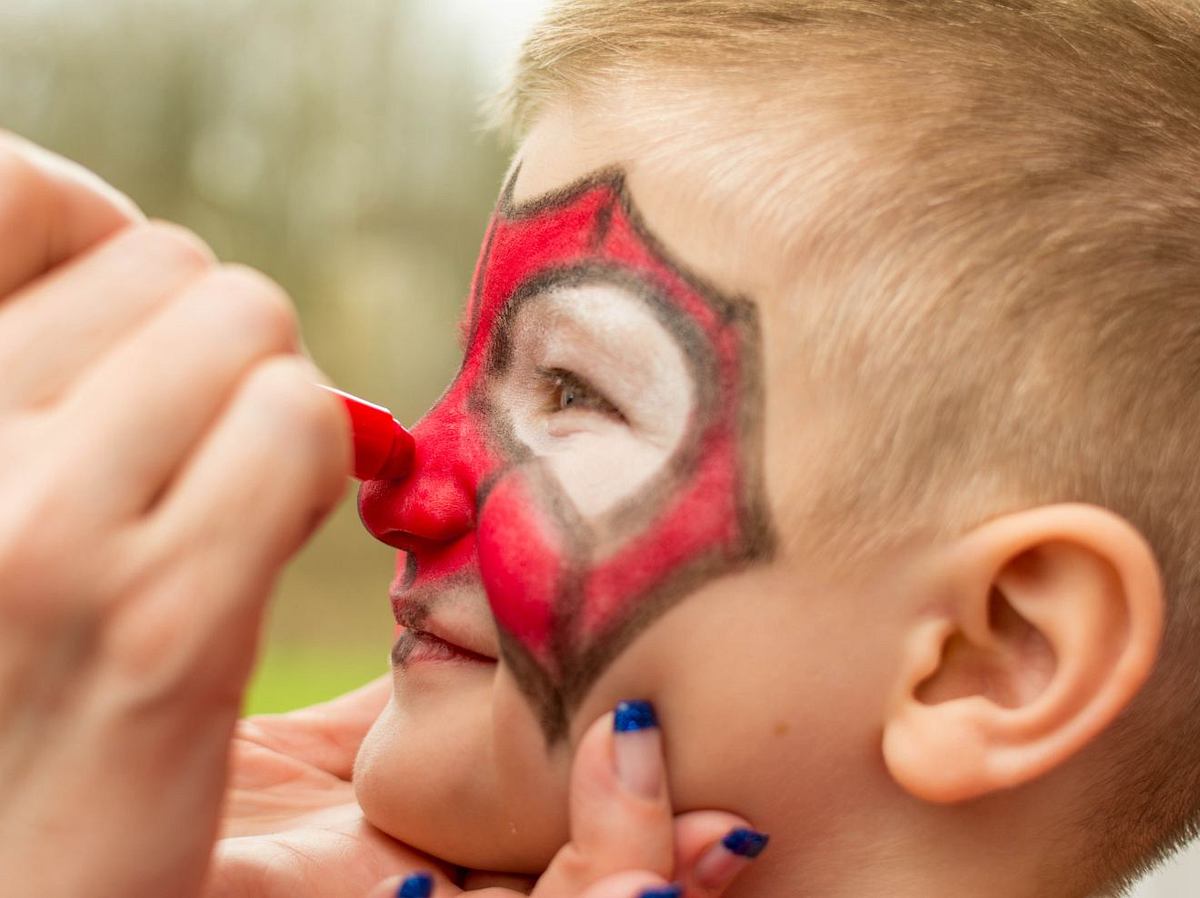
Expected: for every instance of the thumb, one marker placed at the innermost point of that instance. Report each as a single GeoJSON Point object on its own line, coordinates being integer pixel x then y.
{"type": "Point", "coordinates": [620, 808]}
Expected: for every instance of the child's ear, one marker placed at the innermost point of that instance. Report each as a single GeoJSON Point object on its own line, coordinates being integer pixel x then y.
{"type": "Point", "coordinates": [1043, 625]}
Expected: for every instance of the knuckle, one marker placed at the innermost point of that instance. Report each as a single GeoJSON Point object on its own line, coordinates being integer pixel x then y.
{"type": "Point", "coordinates": [262, 308]}
{"type": "Point", "coordinates": [573, 865]}
{"type": "Point", "coordinates": [41, 593]}
{"type": "Point", "coordinates": [171, 245]}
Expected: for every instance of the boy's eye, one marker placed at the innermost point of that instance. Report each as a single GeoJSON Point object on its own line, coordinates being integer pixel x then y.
{"type": "Point", "coordinates": [569, 392]}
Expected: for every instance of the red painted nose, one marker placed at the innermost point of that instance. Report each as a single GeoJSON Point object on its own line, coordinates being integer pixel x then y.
{"type": "Point", "coordinates": [433, 504]}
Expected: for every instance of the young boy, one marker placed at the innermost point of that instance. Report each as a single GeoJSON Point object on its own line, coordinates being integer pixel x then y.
{"type": "Point", "coordinates": [830, 379]}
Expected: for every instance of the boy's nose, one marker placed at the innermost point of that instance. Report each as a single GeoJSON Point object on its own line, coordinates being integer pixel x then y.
{"type": "Point", "coordinates": [434, 504]}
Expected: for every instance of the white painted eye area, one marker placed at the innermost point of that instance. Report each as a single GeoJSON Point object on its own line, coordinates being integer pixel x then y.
{"type": "Point", "coordinates": [597, 385]}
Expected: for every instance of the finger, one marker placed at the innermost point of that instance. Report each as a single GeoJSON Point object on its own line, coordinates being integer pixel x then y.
{"type": "Point", "coordinates": [203, 564]}
{"type": "Point", "coordinates": [474, 880]}
{"type": "Point", "coordinates": [150, 400]}
{"type": "Point", "coordinates": [619, 805]}
{"type": "Point", "coordinates": [630, 884]}
{"type": "Point", "coordinates": [75, 314]}
{"type": "Point", "coordinates": [633, 884]}
{"type": "Point", "coordinates": [327, 735]}
{"type": "Point", "coordinates": [50, 210]}
{"type": "Point", "coordinates": [274, 463]}
{"type": "Point", "coordinates": [711, 849]}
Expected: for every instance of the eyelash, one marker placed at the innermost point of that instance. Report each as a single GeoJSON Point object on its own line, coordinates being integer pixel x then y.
{"type": "Point", "coordinates": [561, 384]}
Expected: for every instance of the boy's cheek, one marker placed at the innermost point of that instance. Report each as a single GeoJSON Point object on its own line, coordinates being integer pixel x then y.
{"type": "Point", "coordinates": [466, 779]}
{"type": "Point", "coordinates": [523, 552]}
{"type": "Point", "coordinates": [731, 673]}
{"type": "Point", "coordinates": [534, 777]}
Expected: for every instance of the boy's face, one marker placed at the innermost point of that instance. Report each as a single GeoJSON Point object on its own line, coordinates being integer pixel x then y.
{"type": "Point", "coordinates": [592, 518]}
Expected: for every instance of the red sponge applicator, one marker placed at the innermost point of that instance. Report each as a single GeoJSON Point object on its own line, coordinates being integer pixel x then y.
{"type": "Point", "coordinates": [383, 449]}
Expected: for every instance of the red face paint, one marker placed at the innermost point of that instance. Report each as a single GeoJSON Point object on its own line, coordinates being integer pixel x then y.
{"type": "Point", "coordinates": [480, 506]}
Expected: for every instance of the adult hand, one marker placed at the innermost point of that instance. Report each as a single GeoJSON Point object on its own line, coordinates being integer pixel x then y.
{"type": "Point", "coordinates": [624, 841]}
{"type": "Point", "coordinates": [164, 454]}
{"type": "Point", "coordinates": [290, 824]}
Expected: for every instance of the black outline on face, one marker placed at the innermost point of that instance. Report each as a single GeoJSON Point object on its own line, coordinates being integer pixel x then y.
{"type": "Point", "coordinates": [556, 700]}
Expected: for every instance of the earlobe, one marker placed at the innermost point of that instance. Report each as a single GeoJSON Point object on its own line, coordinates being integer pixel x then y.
{"type": "Point", "coordinates": [1045, 623]}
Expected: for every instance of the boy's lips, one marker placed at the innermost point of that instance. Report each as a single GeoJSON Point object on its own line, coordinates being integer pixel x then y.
{"type": "Point", "coordinates": [414, 646]}
{"type": "Point", "coordinates": [438, 625]}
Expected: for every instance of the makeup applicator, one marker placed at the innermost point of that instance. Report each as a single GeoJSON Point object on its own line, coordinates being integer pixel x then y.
{"type": "Point", "coordinates": [383, 449]}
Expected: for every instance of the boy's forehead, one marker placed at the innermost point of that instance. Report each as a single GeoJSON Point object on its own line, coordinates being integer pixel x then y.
{"type": "Point", "coordinates": [568, 142]}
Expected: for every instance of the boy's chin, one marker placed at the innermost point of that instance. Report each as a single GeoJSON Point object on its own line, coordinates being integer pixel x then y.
{"type": "Point", "coordinates": [428, 777]}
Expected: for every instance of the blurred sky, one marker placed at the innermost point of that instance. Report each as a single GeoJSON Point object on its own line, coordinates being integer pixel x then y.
{"type": "Point", "coordinates": [496, 27]}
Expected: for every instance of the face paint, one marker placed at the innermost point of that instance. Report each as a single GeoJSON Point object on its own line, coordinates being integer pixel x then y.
{"type": "Point", "coordinates": [572, 582]}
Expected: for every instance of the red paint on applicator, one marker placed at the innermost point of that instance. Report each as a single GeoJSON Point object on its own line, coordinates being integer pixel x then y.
{"type": "Point", "coordinates": [383, 449]}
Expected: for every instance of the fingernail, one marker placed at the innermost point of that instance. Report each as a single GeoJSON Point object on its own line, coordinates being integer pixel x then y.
{"type": "Point", "coordinates": [723, 861]}
{"type": "Point", "coordinates": [747, 843]}
{"type": "Point", "coordinates": [662, 892]}
{"type": "Point", "coordinates": [419, 885]}
{"type": "Point", "coordinates": [638, 748]}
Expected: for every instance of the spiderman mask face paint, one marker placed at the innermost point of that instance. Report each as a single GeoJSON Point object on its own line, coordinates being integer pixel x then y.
{"type": "Point", "coordinates": [598, 456]}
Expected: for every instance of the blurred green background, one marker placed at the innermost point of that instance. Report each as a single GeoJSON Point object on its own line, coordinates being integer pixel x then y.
{"type": "Point", "coordinates": [337, 146]}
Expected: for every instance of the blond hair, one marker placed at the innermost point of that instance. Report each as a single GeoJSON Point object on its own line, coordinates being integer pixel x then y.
{"type": "Point", "coordinates": [1009, 249]}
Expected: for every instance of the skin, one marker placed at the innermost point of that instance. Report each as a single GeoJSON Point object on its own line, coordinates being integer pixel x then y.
{"type": "Point", "coordinates": [118, 689]}
{"type": "Point", "coordinates": [914, 711]}
{"type": "Point", "coordinates": [131, 610]}
{"type": "Point", "coordinates": [605, 431]}
{"type": "Point", "coordinates": [291, 823]}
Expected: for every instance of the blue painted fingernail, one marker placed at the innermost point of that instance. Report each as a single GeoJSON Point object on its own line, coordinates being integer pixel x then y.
{"type": "Point", "coordinates": [633, 716]}
{"type": "Point", "coordinates": [637, 749]}
{"type": "Point", "coordinates": [419, 885]}
{"type": "Point", "coordinates": [717, 867]}
{"type": "Point", "coordinates": [663, 892]}
{"type": "Point", "coordinates": [747, 843]}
